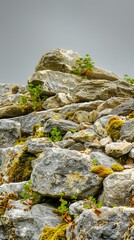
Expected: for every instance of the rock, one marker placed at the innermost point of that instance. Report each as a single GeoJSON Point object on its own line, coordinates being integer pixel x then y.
{"type": "Point", "coordinates": [124, 108]}
{"type": "Point", "coordinates": [105, 112]}
{"type": "Point", "coordinates": [10, 131]}
{"type": "Point", "coordinates": [55, 82]}
{"type": "Point", "coordinates": [102, 89]}
{"type": "Point", "coordinates": [117, 149]}
{"type": "Point", "coordinates": [118, 188]}
{"type": "Point", "coordinates": [109, 224]}
{"type": "Point", "coordinates": [58, 60]}
{"type": "Point", "coordinates": [59, 100]}
{"type": "Point", "coordinates": [77, 147]}
{"type": "Point", "coordinates": [60, 170]}
{"type": "Point", "coordinates": [80, 116]}
{"type": "Point", "coordinates": [28, 224]}
{"type": "Point", "coordinates": [92, 117]}
{"type": "Point", "coordinates": [16, 188]}
{"type": "Point", "coordinates": [127, 131]}
{"type": "Point", "coordinates": [62, 125]}
{"type": "Point", "coordinates": [102, 159]}
{"type": "Point", "coordinates": [105, 141]}
{"type": "Point", "coordinates": [87, 135]}
{"type": "Point", "coordinates": [65, 143]}
{"type": "Point", "coordinates": [111, 103]}
{"type": "Point", "coordinates": [37, 145]}
{"type": "Point", "coordinates": [100, 73]}
{"type": "Point", "coordinates": [131, 153]}
{"type": "Point", "coordinates": [100, 125]}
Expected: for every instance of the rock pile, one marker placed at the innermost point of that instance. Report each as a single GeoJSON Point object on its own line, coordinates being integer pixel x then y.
{"type": "Point", "coordinates": [80, 145]}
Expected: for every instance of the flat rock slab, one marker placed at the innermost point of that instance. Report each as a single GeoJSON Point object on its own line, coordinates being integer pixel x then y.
{"type": "Point", "coordinates": [60, 170]}
{"type": "Point", "coordinates": [117, 149]}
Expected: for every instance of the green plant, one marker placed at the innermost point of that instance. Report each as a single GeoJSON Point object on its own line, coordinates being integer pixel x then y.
{"type": "Point", "coordinates": [63, 209]}
{"type": "Point", "coordinates": [55, 135]}
{"type": "Point", "coordinates": [29, 196]}
{"type": "Point", "coordinates": [35, 98]}
{"type": "Point", "coordinates": [128, 79]}
{"type": "Point", "coordinates": [94, 161]}
{"type": "Point", "coordinates": [83, 66]}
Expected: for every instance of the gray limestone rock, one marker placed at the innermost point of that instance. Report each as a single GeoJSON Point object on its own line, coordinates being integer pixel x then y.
{"type": "Point", "coordinates": [60, 170]}
{"type": "Point", "coordinates": [62, 125]}
{"type": "Point", "coordinates": [58, 60]}
{"type": "Point", "coordinates": [117, 149]}
{"type": "Point", "coordinates": [131, 153]}
{"type": "Point", "coordinates": [10, 131]}
{"type": "Point", "coordinates": [109, 224]}
{"type": "Point", "coordinates": [87, 135]}
{"type": "Point", "coordinates": [12, 188]}
{"type": "Point", "coordinates": [127, 131]}
{"type": "Point", "coordinates": [112, 102]}
{"type": "Point", "coordinates": [102, 159]}
{"type": "Point", "coordinates": [124, 108]}
{"type": "Point", "coordinates": [28, 224]}
{"type": "Point", "coordinates": [118, 188]}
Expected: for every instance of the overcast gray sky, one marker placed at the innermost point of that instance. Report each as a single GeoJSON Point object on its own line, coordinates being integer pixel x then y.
{"type": "Point", "coordinates": [29, 28]}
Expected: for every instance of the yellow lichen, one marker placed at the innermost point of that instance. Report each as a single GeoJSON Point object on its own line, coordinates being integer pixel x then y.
{"type": "Point", "coordinates": [131, 115]}
{"type": "Point", "coordinates": [4, 202]}
{"type": "Point", "coordinates": [101, 171]}
{"type": "Point", "coordinates": [57, 233]}
{"type": "Point", "coordinates": [117, 167]}
{"type": "Point", "coordinates": [113, 128]}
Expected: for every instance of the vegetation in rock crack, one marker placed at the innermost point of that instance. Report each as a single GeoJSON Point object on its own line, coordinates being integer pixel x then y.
{"type": "Point", "coordinates": [55, 135]}
{"type": "Point", "coordinates": [35, 100]}
{"type": "Point", "coordinates": [92, 203]}
{"type": "Point", "coordinates": [30, 197]}
{"type": "Point", "coordinates": [113, 128]}
{"type": "Point", "coordinates": [22, 167]}
{"type": "Point", "coordinates": [128, 79]}
{"type": "Point", "coordinates": [83, 66]}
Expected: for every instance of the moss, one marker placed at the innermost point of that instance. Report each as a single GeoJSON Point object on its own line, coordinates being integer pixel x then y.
{"type": "Point", "coordinates": [22, 167]}
{"type": "Point", "coordinates": [113, 128]}
{"type": "Point", "coordinates": [4, 202]}
{"type": "Point", "coordinates": [101, 171]}
{"type": "Point", "coordinates": [37, 131]}
{"type": "Point", "coordinates": [131, 115]}
{"type": "Point", "coordinates": [21, 141]}
{"type": "Point", "coordinates": [117, 167]}
{"type": "Point", "coordinates": [57, 233]}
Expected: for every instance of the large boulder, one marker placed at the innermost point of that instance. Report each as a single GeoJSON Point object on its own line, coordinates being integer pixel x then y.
{"type": "Point", "coordinates": [58, 60]}
{"type": "Point", "coordinates": [60, 170]}
{"type": "Point", "coordinates": [118, 188]}
{"type": "Point", "coordinates": [108, 224]}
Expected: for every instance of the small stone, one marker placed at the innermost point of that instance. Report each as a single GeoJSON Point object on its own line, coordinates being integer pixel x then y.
{"type": "Point", "coordinates": [117, 149]}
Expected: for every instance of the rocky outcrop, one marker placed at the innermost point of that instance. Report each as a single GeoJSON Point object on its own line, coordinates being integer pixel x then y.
{"type": "Point", "coordinates": [70, 160]}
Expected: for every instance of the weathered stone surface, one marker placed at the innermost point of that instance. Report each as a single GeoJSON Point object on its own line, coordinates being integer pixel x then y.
{"type": "Point", "coordinates": [125, 108]}
{"type": "Point", "coordinates": [37, 145]}
{"type": "Point", "coordinates": [55, 82]}
{"type": "Point", "coordinates": [131, 153]}
{"type": "Point", "coordinates": [60, 170]}
{"type": "Point", "coordinates": [100, 73]}
{"type": "Point", "coordinates": [9, 132]}
{"type": "Point", "coordinates": [127, 131]}
{"type": "Point", "coordinates": [117, 149]}
{"type": "Point", "coordinates": [58, 60]}
{"type": "Point", "coordinates": [87, 135]}
{"type": "Point", "coordinates": [118, 188]}
{"type": "Point", "coordinates": [12, 188]}
{"type": "Point", "coordinates": [65, 143]}
{"type": "Point", "coordinates": [110, 224]}
{"type": "Point", "coordinates": [77, 147]}
{"type": "Point", "coordinates": [105, 141]}
{"type": "Point", "coordinates": [62, 125]}
{"type": "Point", "coordinates": [59, 100]}
{"type": "Point", "coordinates": [27, 225]}
{"type": "Point", "coordinates": [93, 115]}
{"type": "Point", "coordinates": [100, 125]}
{"type": "Point", "coordinates": [80, 116]}
{"type": "Point", "coordinates": [111, 103]}
{"type": "Point", "coordinates": [102, 159]}
{"type": "Point", "coordinates": [12, 111]}
{"type": "Point", "coordinates": [89, 90]}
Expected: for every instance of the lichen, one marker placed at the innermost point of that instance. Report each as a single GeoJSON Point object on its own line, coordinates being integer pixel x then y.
{"type": "Point", "coordinates": [113, 128]}
{"type": "Point", "coordinates": [131, 115]}
{"type": "Point", "coordinates": [4, 202]}
{"type": "Point", "coordinates": [69, 115]}
{"type": "Point", "coordinates": [117, 167]}
{"type": "Point", "coordinates": [57, 233]}
{"type": "Point", "coordinates": [22, 167]}
{"type": "Point", "coordinates": [101, 171]}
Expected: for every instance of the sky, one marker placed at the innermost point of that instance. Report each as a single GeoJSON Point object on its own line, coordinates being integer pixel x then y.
{"type": "Point", "coordinates": [30, 28]}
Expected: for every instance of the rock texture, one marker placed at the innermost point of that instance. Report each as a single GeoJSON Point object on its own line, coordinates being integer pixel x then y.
{"type": "Point", "coordinates": [72, 160]}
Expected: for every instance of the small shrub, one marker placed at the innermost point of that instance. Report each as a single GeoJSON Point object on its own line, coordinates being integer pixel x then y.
{"type": "Point", "coordinates": [83, 66]}
{"type": "Point", "coordinates": [113, 128]}
{"type": "Point", "coordinates": [128, 79]}
{"type": "Point", "coordinates": [30, 196]}
{"type": "Point", "coordinates": [55, 135]}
